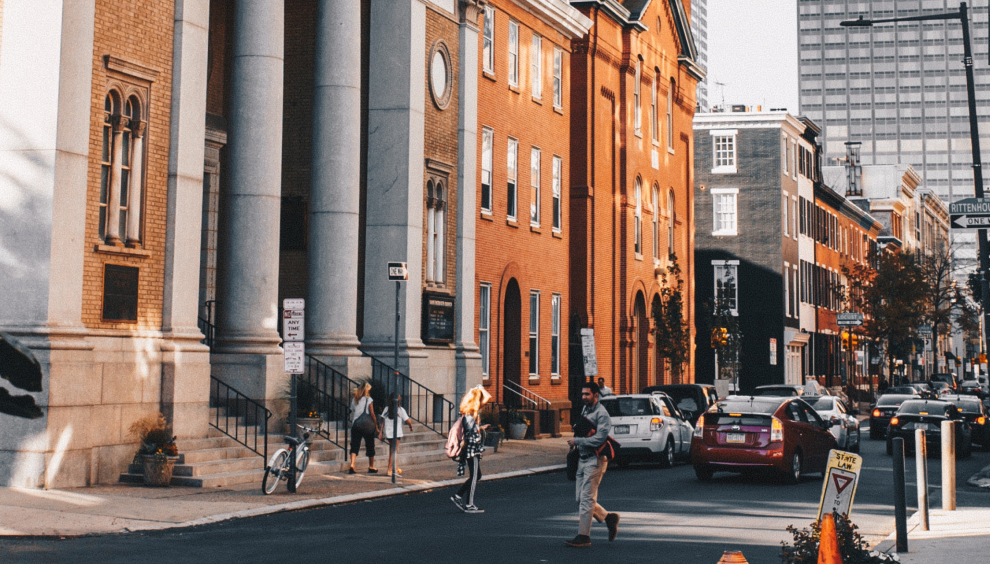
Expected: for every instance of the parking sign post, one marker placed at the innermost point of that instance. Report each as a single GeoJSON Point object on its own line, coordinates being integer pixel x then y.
{"type": "Point", "coordinates": [399, 272]}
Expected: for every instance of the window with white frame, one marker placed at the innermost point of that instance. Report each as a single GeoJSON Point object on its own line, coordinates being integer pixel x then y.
{"type": "Point", "coordinates": [121, 166]}
{"type": "Point", "coordinates": [726, 284]}
{"type": "Point", "coordinates": [787, 289]}
{"type": "Point", "coordinates": [637, 111]}
{"type": "Point", "coordinates": [785, 205]}
{"type": "Point", "coordinates": [724, 151]}
{"type": "Point", "coordinates": [558, 78]}
{"type": "Point", "coordinates": [484, 325]}
{"type": "Point", "coordinates": [794, 159]}
{"type": "Point", "coordinates": [656, 223]}
{"type": "Point", "coordinates": [511, 173]}
{"type": "Point", "coordinates": [534, 333]}
{"type": "Point", "coordinates": [487, 140]}
{"type": "Point", "coordinates": [436, 248]}
{"type": "Point", "coordinates": [794, 217]}
{"type": "Point", "coordinates": [670, 115]}
{"type": "Point", "coordinates": [638, 221]}
{"type": "Point", "coordinates": [724, 211]}
{"type": "Point", "coordinates": [488, 50]}
{"type": "Point", "coordinates": [784, 157]}
{"type": "Point", "coordinates": [534, 187]}
{"type": "Point", "coordinates": [558, 220]}
{"type": "Point", "coordinates": [654, 111]}
{"type": "Point", "coordinates": [536, 57]}
{"type": "Point", "coordinates": [513, 53]}
{"type": "Point", "coordinates": [671, 216]}
{"type": "Point", "coordinates": [555, 336]}
{"type": "Point", "coordinates": [795, 295]}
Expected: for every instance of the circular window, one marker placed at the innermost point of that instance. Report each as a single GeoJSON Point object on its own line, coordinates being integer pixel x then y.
{"type": "Point", "coordinates": [441, 74]}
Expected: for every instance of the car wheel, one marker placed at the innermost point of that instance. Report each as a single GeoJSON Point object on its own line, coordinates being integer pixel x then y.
{"type": "Point", "coordinates": [794, 476]}
{"type": "Point", "coordinates": [667, 455]}
{"type": "Point", "coordinates": [704, 473]}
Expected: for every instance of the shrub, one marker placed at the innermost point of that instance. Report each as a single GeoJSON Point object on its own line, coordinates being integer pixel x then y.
{"type": "Point", "coordinates": [852, 547]}
{"type": "Point", "coordinates": [155, 435]}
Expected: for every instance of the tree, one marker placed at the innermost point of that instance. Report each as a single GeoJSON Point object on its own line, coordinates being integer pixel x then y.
{"type": "Point", "coordinates": [671, 330]}
{"type": "Point", "coordinates": [726, 336]}
{"type": "Point", "coordinates": [939, 291]}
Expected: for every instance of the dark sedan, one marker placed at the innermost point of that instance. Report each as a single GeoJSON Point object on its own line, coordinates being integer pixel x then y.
{"type": "Point", "coordinates": [883, 410]}
{"type": "Point", "coordinates": [928, 416]}
{"type": "Point", "coordinates": [975, 414]}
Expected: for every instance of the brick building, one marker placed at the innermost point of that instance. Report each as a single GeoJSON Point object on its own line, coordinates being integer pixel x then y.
{"type": "Point", "coordinates": [634, 78]}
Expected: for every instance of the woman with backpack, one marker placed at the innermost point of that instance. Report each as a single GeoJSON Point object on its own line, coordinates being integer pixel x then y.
{"type": "Point", "coordinates": [363, 426]}
{"type": "Point", "coordinates": [470, 456]}
{"type": "Point", "coordinates": [389, 425]}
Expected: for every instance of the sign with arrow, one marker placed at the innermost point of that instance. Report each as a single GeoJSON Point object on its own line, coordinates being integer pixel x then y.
{"type": "Point", "coordinates": [970, 213]}
{"type": "Point", "coordinates": [841, 478]}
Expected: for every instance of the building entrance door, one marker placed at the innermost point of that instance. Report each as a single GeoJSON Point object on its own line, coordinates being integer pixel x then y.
{"type": "Point", "coordinates": [512, 342]}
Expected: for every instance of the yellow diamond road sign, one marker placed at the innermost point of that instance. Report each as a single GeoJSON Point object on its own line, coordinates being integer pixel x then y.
{"type": "Point", "coordinates": [841, 479]}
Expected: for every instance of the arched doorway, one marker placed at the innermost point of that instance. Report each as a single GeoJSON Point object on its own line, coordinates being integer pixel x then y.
{"type": "Point", "coordinates": [641, 349]}
{"type": "Point", "coordinates": [659, 365]}
{"type": "Point", "coordinates": [512, 341]}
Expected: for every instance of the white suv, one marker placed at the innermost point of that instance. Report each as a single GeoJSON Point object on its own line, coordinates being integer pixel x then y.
{"type": "Point", "coordinates": [649, 427]}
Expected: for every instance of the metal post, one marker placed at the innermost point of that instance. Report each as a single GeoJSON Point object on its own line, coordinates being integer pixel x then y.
{"type": "Point", "coordinates": [394, 409]}
{"type": "Point", "coordinates": [292, 431]}
{"type": "Point", "coordinates": [395, 403]}
{"type": "Point", "coordinates": [948, 465]}
{"type": "Point", "coordinates": [921, 471]}
{"type": "Point", "coordinates": [900, 505]}
{"type": "Point", "coordinates": [395, 359]}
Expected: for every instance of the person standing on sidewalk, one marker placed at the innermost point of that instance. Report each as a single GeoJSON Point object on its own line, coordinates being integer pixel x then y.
{"type": "Point", "coordinates": [362, 405]}
{"type": "Point", "coordinates": [473, 447]}
{"type": "Point", "coordinates": [591, 468]}
{"type": "Point", "coordinates": [388, 424]}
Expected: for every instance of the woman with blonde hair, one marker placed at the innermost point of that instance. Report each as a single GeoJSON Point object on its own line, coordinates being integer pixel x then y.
{"type": "Point", "coordinates": [363, 426]}
{"type": "Point", "coordinates": [471, 454]}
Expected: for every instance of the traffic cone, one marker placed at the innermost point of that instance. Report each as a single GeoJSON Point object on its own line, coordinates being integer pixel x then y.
{"type": "Point", "coordinates": [828, 545]}
{"type": "Point", "coordinates": [732, 557]}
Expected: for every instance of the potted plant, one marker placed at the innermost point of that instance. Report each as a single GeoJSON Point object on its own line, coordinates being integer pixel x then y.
{"type": "Point", "coordinates": [307, 406]}
{"type": "Point", "coordinates": [518, 425]}
{"type": "Point", "coordinates": [158, 452]}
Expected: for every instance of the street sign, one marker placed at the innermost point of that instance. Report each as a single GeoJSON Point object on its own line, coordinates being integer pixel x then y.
{"type": "Point", "coordinates": [588, 352]}
{"type": "Point", "coordinates": [293, 303]}
{"type": "Point", "coordinates": [294, 357]}
{"type": "Point", "coordinates": [841, 478]}
{"type": "Point", "coordinates": [971, 213]}
{"type": "Point", "coordinates": [970, 205]}
{"type": "Point", "coordinates": [773, 352]}
{"type": "Point", "coordinates": [293, 325]}
{"type": "Point", "coordinates": [849, 319]}
{"type": "Point", "coordinates": [398, 271]}
{"type": "Point", "coordinates": [970, 221]}
{"type": "Point", "coordinates": [924, 329]}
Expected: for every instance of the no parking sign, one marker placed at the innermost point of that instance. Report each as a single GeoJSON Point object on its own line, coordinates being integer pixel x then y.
{"type": "Point", "coordinates": [841, 478]}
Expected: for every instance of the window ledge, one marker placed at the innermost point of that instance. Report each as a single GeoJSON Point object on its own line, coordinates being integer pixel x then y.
{"type": "Point", "coordinates": [121, 251]}
{"type": "Point", "coordinates": [639, 256]}
{"type": "Point", "coordinates": [557, 234]}
{"type": "Point", "coordinates": [559, 109]}
{"type": "Point", "coordinates": [489, 75]}
{"type": "Point", "coordinates": [486, 215]}
{"type": "Point", "coordinates": [538, 100]}
{"type": "Point", "coordinates": [670, 149]}
{"type": "Point", "coordinates": [638, 133]}
{"type": "Point", "coordinates": [724, 170]}
{"type": "Point", "coordinates": [535, 228]}
{"type": "Point", "coordinates": [514, 88]}
{"type": "Point", "coordinates": [511, 223]}
{"type": "Point", "coordinates": [724, 233]}
{"type": "Point", "coordinates": [555, 379]}
{"type": "Point", "coordinates": [534, 378]}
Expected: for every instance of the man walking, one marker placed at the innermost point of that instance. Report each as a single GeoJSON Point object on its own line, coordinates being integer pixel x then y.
{"type": "Point", "coordinates": [603, 390]}
{"type": "Point", "coordinates": [591, 468]}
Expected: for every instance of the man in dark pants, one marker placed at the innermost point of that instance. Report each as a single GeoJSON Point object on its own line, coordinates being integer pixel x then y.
{"type": "Point", "coordinates": [591, 468]}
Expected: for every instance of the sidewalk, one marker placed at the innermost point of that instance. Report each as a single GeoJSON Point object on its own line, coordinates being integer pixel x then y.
{"type": "Point", "coordinates": [123, 508]}
{"type": "Point", "coordinates": [959, 536]}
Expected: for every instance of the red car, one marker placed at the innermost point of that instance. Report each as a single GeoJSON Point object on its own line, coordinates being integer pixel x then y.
{"type": "Point", "coordinates": [744, 433]}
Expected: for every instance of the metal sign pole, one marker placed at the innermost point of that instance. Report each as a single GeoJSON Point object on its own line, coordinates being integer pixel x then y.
{"type": "Point", "coordinates": [399, 272]}
{"type": "Point", "coordinates": [291, 485]}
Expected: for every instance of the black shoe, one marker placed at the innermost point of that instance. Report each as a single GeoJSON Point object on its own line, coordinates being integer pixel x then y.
{"type": "Point", "coordinates": [350, 471]}
{"type": "Point", "coordinates": [458, 501]}
{"type": "Point", "coordinates": [579, 541]}
{"type": "Point", "coordinates": [612, 522]}
{"type": "Point", "coordinates": [472, 509]}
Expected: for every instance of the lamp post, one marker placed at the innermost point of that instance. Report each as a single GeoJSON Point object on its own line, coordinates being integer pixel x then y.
{"type": "Point", "coordinates": [974, 127]}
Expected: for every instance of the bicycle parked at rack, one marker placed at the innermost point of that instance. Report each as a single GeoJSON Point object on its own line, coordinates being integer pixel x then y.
{"type": "Point", "coordinates": [278, 466]}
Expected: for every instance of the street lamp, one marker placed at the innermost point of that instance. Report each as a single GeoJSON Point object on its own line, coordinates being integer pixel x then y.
{"type": "Point", "coordinates": [974, 127]}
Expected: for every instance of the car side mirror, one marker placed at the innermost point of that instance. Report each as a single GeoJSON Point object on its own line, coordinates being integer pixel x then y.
{"type": "Point", "coordinates": [834, 421]}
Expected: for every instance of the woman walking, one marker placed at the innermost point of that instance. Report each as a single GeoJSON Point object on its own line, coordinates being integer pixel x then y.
{"type": "Point", "coordinates": [363, 426]}
{"type": "Point", "coordinates": [473, 447]}
{"type": "Point", "coordinates": [389, 424]}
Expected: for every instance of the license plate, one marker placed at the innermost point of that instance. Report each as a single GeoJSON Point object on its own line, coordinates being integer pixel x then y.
{"type": "Point", "coordinates": [621, 429]}
{"type": "Point", "coordinates": [735, 437]}
{"type": "Point", "coordinates": [925, 426]}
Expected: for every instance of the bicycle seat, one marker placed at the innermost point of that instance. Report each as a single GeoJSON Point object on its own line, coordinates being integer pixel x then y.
{"type": "Point", "coordinates": [291, 440]}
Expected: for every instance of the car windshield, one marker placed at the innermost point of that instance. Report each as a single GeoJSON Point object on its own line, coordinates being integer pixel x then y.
{"type": "Point", "coordinates": [822, 404]}
{"type": "Point", "coordinates": [746, 405]}
{"type": "Point", "coordinates": [893, 400]}
{"type": "Point", "coordinates": [923, 408]}
{"type": "Point", "coordinates": [902, 390]}
{"type": "Point", "coordinates": [776, 391]}
{"type": "Point", "coordinates": [627, 407]}
{"type": "Point", "coordinates": [967, 406]}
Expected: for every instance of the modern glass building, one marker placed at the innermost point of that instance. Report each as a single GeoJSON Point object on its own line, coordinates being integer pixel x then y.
{"type": "Point", "coordinates": [900, 89]}
{"type": "Point", "coordinates": [699, 27]}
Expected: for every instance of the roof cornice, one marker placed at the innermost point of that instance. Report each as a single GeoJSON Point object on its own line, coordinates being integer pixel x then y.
{"type": "Point", "coordinates": [559, 15]}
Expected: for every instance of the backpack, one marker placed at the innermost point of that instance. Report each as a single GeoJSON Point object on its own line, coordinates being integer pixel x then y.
{"type": "Point", "coordinates": [455, 439]}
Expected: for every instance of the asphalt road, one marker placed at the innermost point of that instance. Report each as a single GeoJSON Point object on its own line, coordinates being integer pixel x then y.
{"type": "Point", "coordinates": [667, 516]}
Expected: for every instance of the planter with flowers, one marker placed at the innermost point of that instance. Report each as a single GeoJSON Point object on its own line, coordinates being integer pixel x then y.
{"type": "Point", "coordinates": [518, 425]}
{"type": "Point", "coordinates": [158, 453]}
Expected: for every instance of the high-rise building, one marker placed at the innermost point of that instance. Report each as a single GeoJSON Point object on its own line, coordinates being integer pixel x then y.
{"type": "Point", "coordinates": [900, 89]}
{"type": "Point", "coordinates": [699, 27]}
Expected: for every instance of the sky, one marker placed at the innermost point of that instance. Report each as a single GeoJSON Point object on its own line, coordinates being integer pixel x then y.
{"type": "Point", "coordinates": [752, 53]}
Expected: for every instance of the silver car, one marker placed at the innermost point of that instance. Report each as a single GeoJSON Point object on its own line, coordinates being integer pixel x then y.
{"type": "Point", "coordinates": [650, 427]}
{"type": "Point", "coordinates": [846, 431]}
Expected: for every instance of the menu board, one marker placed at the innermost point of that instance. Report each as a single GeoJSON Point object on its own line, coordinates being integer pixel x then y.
{"type": "Point", "coordinates": [438, 318]}
{"type": "Point", "coordinates": [120, 293]}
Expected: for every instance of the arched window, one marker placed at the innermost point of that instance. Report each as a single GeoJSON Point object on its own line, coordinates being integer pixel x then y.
{"type": "Point", "coordinates": [435, 246]}
{"type": "Point", "coordinates": [637, 111]}
{"type": "Point", "coordinates": [656, 222]}
{"type": "Point", "coordinates": [670, 114]}
{"type": "Point", "coordinates": [120, 170]}
{"type": "Point", "coordinates": [654, 110]}
{"type": "Point", "coordinates": [670, 223]}
{"type": "Point", "coordinates": [639, 216]}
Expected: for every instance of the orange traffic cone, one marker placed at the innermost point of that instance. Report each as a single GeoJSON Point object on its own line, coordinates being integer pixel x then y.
{"type": "Point", "coordinates": [732, 557]}
{"type": "Point", "coordinates": [828, 546]}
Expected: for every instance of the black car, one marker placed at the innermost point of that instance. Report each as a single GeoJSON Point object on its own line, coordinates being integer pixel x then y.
{"type": "Point", "coordinates": [883, 410]}
{"type": "Point", "coordinates": [928, 416]}
{"type": "Point", "coordinates": [972, 387]}
{"type": "Point", "coordinates": [691, 399]}
{"type": "Point", "coordinates": [973, 412]}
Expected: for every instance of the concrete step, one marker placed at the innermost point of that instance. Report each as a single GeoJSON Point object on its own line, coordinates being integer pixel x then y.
{"type": "Point", "coordinates": [209, 467]}
{"type": "Point", "coordinates": [406, 459]}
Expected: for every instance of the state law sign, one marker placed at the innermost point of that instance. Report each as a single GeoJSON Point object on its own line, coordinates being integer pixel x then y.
{"type": "Point", "coordinates": [841, 478]}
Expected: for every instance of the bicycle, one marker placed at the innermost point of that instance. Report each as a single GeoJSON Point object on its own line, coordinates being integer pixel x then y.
{"type": "Point", "coordinates": [278, 466]}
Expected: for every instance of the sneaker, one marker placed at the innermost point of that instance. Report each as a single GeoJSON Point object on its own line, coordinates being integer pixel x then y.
{"type": "Point", "coordinates": [372, 470]}
{"type": "Point", "coordinates": [458, 501]}
{"type": "Point", "coordinates": [612, 522]}
{"type": "Point", "coordinates": [472, 509]}
{"type": "Point", "coordinates": [350, 470]}
{"type": "Point", "coordinates": [579, 541]}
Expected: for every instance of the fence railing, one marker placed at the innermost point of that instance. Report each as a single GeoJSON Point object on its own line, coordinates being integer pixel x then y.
{"type": "Point", "coordinates": [207, 326]}
{"type": "Point", "coordinates": [526, 399]}
{"type": "Point", "coordinates": [423, 405]}
{"type": "Point", "coordinates": [330, 394]}
{"type": "Point", "coordinates": [240, 417]}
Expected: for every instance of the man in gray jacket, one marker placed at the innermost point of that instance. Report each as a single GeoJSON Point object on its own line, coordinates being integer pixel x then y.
{"type": "Point", "coordinates": [591, 468]}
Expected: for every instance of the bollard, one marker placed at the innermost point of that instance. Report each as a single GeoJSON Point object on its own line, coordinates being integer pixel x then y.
{"type": "Point", "coordinates": [900, 504]}
{"type": "Point", "coordinates": [948, 466]}
{"type": "Point", "coordinates": [921, 471]}
{"type": "Point", "coordinates": [828, 545]}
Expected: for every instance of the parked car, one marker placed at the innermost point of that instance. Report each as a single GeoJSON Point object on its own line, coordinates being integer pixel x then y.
{"type": "Point", "coordinates": [928, 416]}
{"type": "Point", "coordinates": [973, 388]}
{"type": "Point", "coordinates": [778, 390]}
{"type": "Point", "coordinates": [975, 414]}
{"type": "Point", "coordinates": [947, 377]}
{"type": "Point", "coordinates": [648, 426]}
{"type": "Point", "coordinates": [939, 387]}
{"type": "Point", "coordinates": [747, 433]}
{"type": "Point", "coordinates": [904, 389]}
{"type": "Point", "coordinates": [834, 410]}
{"type": "Point", "coordinates": [882, 411]}
{"type": "Point", "coordinates": [691, 399]}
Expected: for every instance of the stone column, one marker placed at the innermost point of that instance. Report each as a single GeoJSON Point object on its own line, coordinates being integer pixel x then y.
{"type": "Point", "coordinates": [134, 191]}
{"type": "Point", "coordinates": [185, 362]}
{"type": "Point", "coordinates": [468, 358]}
{"type": "Point", "coordinates": [334, 203]}
{"type": "Point", "coordinates": [247, 312]}
{"type": "Point", "coordinates": [394, 224]}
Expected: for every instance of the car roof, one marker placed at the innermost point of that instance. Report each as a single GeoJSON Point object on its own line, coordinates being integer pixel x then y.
{"type": "Point", "coordinates": [615, 396]}
{"type": "Point", "coordinates": [738, 403]}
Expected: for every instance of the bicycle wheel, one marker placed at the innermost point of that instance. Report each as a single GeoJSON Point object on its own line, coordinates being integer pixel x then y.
{"type": "Point", "coordinates": [276, 469]}
{"type": "Point", "coordinates": [302, 461]}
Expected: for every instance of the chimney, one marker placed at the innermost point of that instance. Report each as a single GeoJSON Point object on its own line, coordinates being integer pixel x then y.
{"type": "Point", "coordinates": [854, 172]}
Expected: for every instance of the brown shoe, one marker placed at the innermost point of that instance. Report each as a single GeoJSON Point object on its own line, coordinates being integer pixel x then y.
{"type": "Point", "coordinates": [579, 541]}
{"type": "Point", "coordinates": [612, 522]}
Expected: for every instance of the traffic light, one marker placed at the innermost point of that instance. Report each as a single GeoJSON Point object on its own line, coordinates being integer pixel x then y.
{"type": "Point", "coordinates": [854, 341]}
{"type": "Point", "coordinates": [720, 337]}
{"type": "Point", "coordinates": [845, 340]}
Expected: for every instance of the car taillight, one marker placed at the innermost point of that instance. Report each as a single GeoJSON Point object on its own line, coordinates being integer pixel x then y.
{"type": "Point", "coordinates": [894, 422]}
{"type": "Point", "coordinates": [699, 428]}
{"type": "Point", "coordinates": [656, 424]}
{"type": "Point", "coordinates": [877, 413]}
{"type": "Point", "coordinates": [981, 420]}
{"type": "Point", "coordinates": [776, 430]}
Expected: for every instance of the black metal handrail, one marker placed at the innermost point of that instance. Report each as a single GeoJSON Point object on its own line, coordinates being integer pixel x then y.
{"type": "Point", "coordinates": [332, 391]}
{"type": "Point", "coordinates": [240, 415]}
{"type": "Point", "coordinates": [422, 404]}
{"type": "Point", "coordinates": [535, 400]}
{"type": "Point", "coordinates": [206, 324]}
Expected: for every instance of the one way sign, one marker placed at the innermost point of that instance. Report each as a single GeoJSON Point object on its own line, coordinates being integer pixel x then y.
{"type": "Point", "coordinates": [971, 221]}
